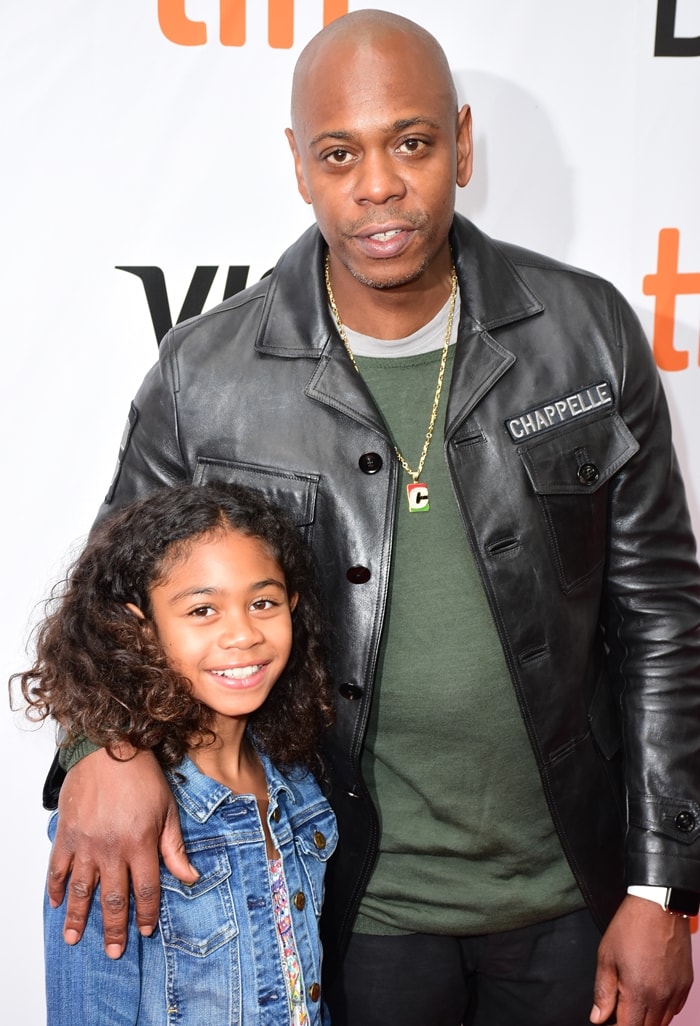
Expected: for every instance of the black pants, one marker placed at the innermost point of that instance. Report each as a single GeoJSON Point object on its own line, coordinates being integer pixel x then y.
{"type": "Point", "coordinates": [536, 976]}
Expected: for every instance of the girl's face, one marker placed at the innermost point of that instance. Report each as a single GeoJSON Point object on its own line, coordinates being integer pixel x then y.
{"type": "Point", "coordinates": [223, 617]}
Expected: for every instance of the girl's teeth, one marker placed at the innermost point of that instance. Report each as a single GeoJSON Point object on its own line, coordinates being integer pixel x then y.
{"type": "Point", "coordinates": [238, 673]}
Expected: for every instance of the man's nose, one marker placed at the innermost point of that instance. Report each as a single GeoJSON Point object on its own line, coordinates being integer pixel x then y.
{"type": "Point", "coordinates": [379, 179]}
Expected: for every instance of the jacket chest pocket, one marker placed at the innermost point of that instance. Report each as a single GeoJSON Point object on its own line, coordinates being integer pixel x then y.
{"type": "Point", "coordinates": [570, 471]}
{"type": "Point", "coordinates": [294, 493]}
{"type": "Point", "coordinates": [199, 919]}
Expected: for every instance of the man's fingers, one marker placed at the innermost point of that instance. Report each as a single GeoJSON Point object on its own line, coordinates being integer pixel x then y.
{"type": "Point", "coordinates": [60, 865]}
{"type": "Point", "coordinates": [79, 891]}
{"type": "Point", "coordinates": [604, 994]}
{"type": "Point", "coordinates": [172, 849]}
{"type": "Point", "coordinates": [145, 869]}
{"type": "Point", "coordinates": [56, 880]}
{"type": "Point", "coordinates": [145, 883]}
{"type": "Point", "coordinates": [644, 966]}
{"type": "Point", "coordinates": [114, 901]}
{"type": "Point", "coordinates": [111, 815]}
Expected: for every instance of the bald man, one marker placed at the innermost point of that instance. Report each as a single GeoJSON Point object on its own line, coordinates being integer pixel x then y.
{"type": "Point", "coordinates": [475, 440]}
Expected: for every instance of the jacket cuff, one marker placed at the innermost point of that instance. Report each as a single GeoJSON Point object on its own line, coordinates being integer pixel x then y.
{"type": "Point", "coordinates": [72, 753]}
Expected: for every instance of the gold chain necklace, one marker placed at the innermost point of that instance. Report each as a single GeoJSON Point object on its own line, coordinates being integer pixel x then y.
{"type": "Point", "coordinates": [417, 491]}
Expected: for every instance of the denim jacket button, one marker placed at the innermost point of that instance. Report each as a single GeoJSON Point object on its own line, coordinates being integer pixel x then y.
{"type": "Point", "coordinates": [299, 900]}
{"type": "Point", "coordinates": [275, 815]}
{"type": "Point", "coordinates": [315, 991]}
{"type": "Point", "coordinates": [319, 840]}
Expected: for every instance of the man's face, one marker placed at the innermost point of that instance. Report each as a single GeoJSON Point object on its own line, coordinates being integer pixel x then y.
{"type": "Point", "coordinates": [379, 148]}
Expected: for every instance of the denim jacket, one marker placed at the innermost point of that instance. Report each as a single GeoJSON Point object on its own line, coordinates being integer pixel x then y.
{"type": "Point", "coordinates": [215, 957]}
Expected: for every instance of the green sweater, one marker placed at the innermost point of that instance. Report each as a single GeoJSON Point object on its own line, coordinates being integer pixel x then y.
{"type": "Point", "coordinates": [467, 842]}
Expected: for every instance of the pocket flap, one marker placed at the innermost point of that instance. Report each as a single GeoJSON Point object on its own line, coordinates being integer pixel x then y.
{"type": "Point", "coordinates": [580, 459]}
{"type": "Point", "coordinates": [292, 492]}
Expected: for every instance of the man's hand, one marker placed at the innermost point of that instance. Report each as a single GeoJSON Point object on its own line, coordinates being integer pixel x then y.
{"type": "Point", "coordinates": [644, 966]}
{"type": "Point", "coordinates": [114, 817]}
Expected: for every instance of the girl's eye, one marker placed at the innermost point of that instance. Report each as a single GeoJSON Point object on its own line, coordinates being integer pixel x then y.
{"type": "Point", "coordinates": [201, 611]}
{"type": "Point", "coordinates": [263, 604]}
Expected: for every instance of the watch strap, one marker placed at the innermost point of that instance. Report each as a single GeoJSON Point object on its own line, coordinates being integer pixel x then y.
{"type": "Point", "coordinates": [675, 900]}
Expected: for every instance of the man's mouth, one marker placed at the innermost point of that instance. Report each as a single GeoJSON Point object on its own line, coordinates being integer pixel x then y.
{"type": "Point", "coordinates": [383, 236]}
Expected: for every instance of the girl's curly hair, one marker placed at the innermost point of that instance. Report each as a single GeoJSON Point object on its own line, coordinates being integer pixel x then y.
{"type": "Point", "coordinates": [100, 675]}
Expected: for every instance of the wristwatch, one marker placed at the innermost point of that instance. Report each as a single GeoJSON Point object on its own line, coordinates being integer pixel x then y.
{"type": "Point", "coordinates": [675, 900]}
{"type": "Point", "coordinates": [682, 903]}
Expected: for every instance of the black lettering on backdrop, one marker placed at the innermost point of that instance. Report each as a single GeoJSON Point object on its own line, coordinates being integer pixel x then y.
{"type": "Point", "coordinates": [667, 43]}
{"type": "Point", "coordinates": [153, 281]}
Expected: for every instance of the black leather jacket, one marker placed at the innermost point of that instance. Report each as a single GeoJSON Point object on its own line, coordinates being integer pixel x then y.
{"type": "Point", "coordinates": [559, 447]}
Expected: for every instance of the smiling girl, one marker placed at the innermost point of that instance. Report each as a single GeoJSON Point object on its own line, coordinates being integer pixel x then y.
{"type": "Point", "coordinates": [189, 625]}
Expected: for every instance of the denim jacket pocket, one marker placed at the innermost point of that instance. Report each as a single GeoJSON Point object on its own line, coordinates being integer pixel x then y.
{"type": "Point", "coordinates": [570, 470]}
{"type": "Point", "coordinates": [315, 842]}
{"type": "Point", "coordinates": [198, 930]}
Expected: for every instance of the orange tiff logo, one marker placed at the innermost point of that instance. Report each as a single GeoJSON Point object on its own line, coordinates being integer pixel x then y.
{"type": "Point", "coordinates": [178, 28]}
{"type": "Point", "coordinates": [666, 285]}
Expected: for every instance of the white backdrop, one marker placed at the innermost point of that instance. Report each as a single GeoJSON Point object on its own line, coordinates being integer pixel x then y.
{"type": "Point", "coordinates": [135, 138]}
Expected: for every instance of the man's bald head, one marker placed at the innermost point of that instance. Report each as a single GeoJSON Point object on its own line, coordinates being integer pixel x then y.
{"type": "Point", "coordinates": [379, 148]}
{"type": "Point", "coordinates": [330, 49]}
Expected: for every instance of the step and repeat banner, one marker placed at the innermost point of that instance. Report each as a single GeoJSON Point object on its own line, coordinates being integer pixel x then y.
{"type": "Point", "coordinates": [146, 175]}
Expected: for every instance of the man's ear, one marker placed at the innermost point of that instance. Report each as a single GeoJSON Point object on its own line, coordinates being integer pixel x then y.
{"type": "Point", "coordinates": [465, 146]}
{"type": "Point", "coordinates": [298, 170]}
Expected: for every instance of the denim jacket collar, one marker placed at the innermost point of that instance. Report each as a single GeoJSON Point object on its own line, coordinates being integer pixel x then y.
{"type": "Point", "coordinates": [200, 796]}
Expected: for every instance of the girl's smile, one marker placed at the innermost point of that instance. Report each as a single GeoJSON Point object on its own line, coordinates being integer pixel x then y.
{"type": "Point", "coordinates": [239, 673]}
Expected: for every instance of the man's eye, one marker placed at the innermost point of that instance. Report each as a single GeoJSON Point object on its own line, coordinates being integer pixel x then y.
{"type": "Point", "coordinates": [338, 157]}
{"type": "Point", "coordinates": [411, 145]}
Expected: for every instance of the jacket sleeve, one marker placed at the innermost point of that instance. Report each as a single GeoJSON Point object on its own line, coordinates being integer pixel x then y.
{"type": "Point", "coordinates": [651, 616]}
{"type": "Point", "coordinates": [149, 453]}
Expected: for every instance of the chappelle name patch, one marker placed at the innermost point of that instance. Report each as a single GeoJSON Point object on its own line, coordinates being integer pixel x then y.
{"type": "Point", "coordinates": [558, 411]}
